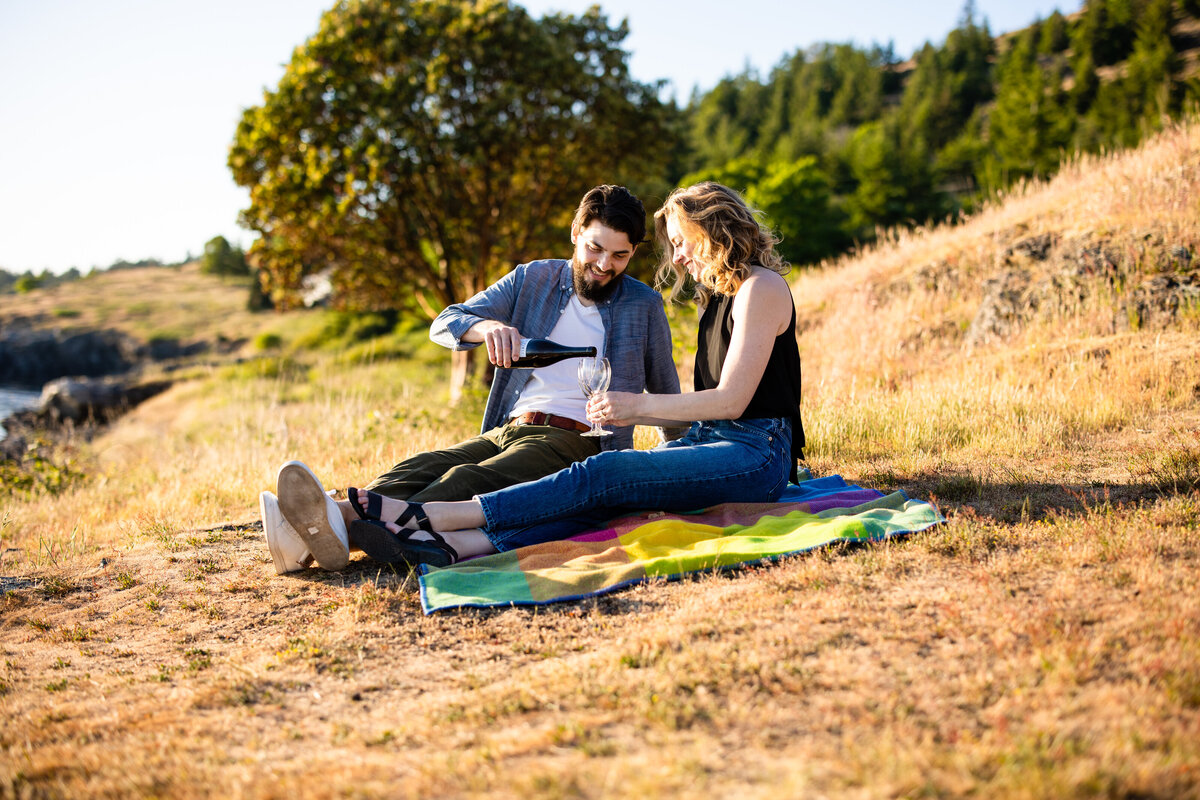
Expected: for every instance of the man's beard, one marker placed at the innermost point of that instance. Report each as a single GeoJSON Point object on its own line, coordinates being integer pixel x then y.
{"type": "Point", "coordinates": [594, 292]}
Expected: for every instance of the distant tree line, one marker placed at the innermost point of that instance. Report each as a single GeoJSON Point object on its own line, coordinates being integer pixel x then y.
{"type": "Point", "coordinates": [839, 141]}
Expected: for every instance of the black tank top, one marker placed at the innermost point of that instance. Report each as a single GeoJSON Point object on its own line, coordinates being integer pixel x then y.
{"type": "Point", "coordinates": [778, 393]}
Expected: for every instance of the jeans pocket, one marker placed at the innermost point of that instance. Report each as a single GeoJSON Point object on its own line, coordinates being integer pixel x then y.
{"type": "Point", "coordinates": [759, 430]}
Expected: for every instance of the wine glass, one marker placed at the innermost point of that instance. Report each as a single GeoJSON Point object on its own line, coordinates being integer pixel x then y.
{"type": "Point", "coordinates": [594, 375]}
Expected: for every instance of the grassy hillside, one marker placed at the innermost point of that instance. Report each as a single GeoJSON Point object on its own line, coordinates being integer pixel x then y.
{"type": "Point", "coordinates": [145, 302]}
{"type": "Point", "coordinates": [1028, 369]}
{"type": "Point", "coordinates": [1052, 337]}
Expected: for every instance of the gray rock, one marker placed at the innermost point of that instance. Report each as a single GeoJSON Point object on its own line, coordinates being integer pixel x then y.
{"type": "Point", "coordinates": [1008, 303]}
{"type": "Point", "coordinates": [1158, 300]}
{"type": "Point", "coordinates": [79, 400]}
{"type": "Point", "coordinates": [1035, 248]}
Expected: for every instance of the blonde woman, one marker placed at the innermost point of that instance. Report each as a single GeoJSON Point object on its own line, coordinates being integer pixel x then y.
{"type": "Point", "coordinates": [747, 398]}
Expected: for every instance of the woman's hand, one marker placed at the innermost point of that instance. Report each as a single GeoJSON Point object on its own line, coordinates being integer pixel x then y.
{"type": "Point", "coordinates": [613, 408]}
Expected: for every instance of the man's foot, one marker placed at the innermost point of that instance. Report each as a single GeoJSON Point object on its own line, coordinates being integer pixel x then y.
{"type": "Point", "coordinates": [288, 550]}
{"type": "Point", "coordinates": [314, 515]}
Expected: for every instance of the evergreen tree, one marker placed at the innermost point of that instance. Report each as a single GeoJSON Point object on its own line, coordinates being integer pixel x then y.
{"type": "Point", "coordinates": [1086, 82]}
{"type": "Point", "coordinates": [957, 163]}
{"type": "Point", "coordinates": [1054, 37]}
{"type": "Point", "coordinates": [1105, 31]}
{"type": "Point", "coordinates": [948, 83]}
{"type": "Point", "coordinates": [1152, 66]}
{"type": "Point", "coordinates": [725, 121]}
{"type": "Point", "coordinates": [898, 145]}
{"type": "Point", "coordinates": [879, 198]}
{"type": "Point", "coordinates": [1029, 127]}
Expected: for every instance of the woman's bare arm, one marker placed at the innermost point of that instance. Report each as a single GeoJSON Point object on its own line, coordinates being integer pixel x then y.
{"type": "Point", "coordinates": [762, 309]}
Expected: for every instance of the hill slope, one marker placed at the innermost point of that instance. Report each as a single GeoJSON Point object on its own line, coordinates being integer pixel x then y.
{"type": "Point", "coordinates": [1041, 644]}
{"type": "Point", "coordinates": [1065, 314]}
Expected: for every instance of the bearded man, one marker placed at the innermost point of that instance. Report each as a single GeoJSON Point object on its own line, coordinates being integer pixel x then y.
{"type": "Point", "coordinates": [534, 417]}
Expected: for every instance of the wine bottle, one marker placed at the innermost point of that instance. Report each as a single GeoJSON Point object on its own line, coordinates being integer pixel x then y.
{"type": "Point", "coordinates": [543, 352]}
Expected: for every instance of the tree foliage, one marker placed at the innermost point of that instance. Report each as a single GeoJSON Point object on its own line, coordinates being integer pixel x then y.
{"type": "Point", "coordinates": [1030, 124]}
{"type": "Point", "coordinates": [222, 258]}
{"type": "Point", "coordinates": [416, 150]}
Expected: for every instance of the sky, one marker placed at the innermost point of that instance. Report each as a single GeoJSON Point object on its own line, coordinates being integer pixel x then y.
{"type": "Point", "coordinates": [116, 116]}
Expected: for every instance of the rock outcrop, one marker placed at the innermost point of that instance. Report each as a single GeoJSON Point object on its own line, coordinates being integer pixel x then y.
{"type": "Point", "coordinates": [32, 356]}
{"type": "Point", "coordinates": [1153, 281]}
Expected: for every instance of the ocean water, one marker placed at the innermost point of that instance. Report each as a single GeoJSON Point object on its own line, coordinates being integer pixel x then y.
{"type": "Point", "coordinates": [13, 400]}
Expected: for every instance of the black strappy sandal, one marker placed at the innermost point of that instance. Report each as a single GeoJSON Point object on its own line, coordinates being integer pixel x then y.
{"type": "Point", "coordinates": [415, 512]}
{"type": "Point", "coordinates": [373, 538]}
{"type": "Point", "coordinates": [374, 503]}
{"type": "Point", "coordinates": [374, 508]}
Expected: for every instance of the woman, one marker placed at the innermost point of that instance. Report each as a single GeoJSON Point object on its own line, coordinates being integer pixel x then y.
{"type": "Point", "coordinates": [747, 394]}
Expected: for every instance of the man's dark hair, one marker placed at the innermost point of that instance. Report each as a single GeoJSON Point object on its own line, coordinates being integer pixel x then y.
{"type": "Point", "coordinates": [615, 207]}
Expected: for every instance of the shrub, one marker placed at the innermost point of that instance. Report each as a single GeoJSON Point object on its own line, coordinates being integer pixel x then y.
{"type": "Point", "coordinates": [268, 341]}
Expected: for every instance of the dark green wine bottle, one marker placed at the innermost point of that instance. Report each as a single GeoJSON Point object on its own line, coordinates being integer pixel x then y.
{"type": "Point", "coordinates": [543, 352]}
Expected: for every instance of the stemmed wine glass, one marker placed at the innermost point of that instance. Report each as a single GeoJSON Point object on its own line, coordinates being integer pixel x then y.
{"type": "Point", "coordinates": [594, 375]}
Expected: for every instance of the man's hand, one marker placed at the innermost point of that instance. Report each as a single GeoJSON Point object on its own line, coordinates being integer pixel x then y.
{"type": "Point", "coordinates": [503, 344]}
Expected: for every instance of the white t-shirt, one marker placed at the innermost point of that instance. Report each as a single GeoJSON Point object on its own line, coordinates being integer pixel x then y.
{"type": "Point", "coordinates": [555, 389]}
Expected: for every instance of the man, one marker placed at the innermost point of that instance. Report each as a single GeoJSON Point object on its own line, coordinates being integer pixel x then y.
{"type": "Point", "coordinates": [534, 418]}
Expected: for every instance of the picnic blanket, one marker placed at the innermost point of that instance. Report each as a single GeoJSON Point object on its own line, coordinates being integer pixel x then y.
{"type": "Point", "coordinates": [656, 545]}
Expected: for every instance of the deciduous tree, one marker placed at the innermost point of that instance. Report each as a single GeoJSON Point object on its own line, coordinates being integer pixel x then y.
{"type": "Point", "coordinates": [417, 150]}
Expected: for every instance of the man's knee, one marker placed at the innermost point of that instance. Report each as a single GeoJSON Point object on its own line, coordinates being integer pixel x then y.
{"type": "Point", "coordinates": [460, 482]}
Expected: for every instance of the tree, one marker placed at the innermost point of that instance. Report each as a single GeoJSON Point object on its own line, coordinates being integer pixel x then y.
{"type": "Point", "coordinates": [27, 283]}
{"type": "Point", "coordinates": [1152, 65]}
{"type": "Point", "coordinates": [796, 199]}
{"type": "Point", "coordinates": [879, 197]}
{"type": "Point", "coordinates": [420, 149]}
{"type": "Point", "coordinates": [221, 258]}
{"type": "Point", "coordinates": [1030, 125]}
{"type": "Point", "coordinates": [947, 84]}
{"type": "Point", "coordinates": [1054, 37]}
{"type": "Point", "coordinates": [1105, 31]}
{"type": "Point", "coordinates": [258, 299]}
{"type": "Point", "coordinates": [725, 121]}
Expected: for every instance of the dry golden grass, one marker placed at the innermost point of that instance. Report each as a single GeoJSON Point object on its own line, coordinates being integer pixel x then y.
{"type": "Point", "coordinates": [1044, 643]}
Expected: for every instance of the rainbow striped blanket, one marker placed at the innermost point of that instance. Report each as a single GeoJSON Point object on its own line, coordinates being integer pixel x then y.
{"type": "Point", "coordinates": [656, 545]}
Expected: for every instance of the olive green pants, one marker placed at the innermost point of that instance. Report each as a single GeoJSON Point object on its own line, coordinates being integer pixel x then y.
{"type": "Point", "coordinates": [500, 457]}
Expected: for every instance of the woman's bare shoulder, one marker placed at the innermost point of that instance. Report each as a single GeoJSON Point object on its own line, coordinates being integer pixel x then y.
{"type": "Point", "coordinates": [769, 294]}
{"type": "Point", "coordinates": [766, 281]}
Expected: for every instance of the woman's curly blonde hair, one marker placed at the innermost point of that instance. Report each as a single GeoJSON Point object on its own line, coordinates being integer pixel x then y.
{"type": "Point", "coordinates": [729, 237]}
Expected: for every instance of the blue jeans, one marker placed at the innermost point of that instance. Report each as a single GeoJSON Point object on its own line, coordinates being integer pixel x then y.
{"type": "Point", "coordinates": [715, 462]}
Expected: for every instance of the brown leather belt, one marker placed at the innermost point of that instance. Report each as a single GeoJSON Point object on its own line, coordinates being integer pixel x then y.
{"type": "Point", "coordinates": [553, 420]}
